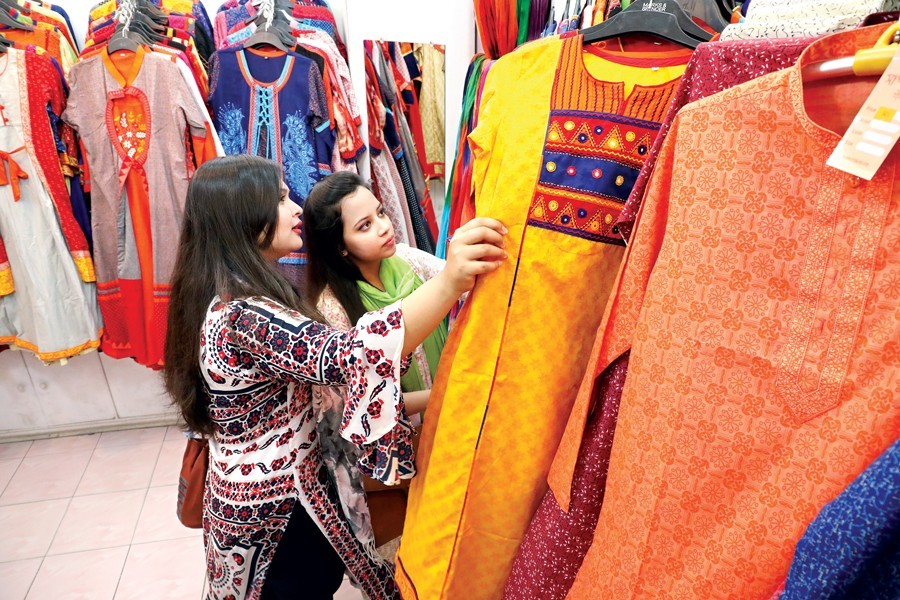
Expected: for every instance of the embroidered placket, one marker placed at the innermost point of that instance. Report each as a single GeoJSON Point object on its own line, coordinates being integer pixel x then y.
{"type": "Point", "coordinates": [806, 404]}
{"type": "Point", "coordinates": [265, 135]}
{"type": "Point", "coordinates": [835, 187]}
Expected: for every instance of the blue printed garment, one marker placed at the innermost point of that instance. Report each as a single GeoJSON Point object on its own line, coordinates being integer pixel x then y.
{"type": "Point", "coordinates": [274, 107]}
{"type": "Point", "coordinates": [852, 549]}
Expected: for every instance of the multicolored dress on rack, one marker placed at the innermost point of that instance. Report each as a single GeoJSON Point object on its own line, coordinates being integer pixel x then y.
{"type": "Point", "coordinates": [48, 301]}
{"type": "Point", "coordinates": [571, 144]}
{"type": "Point", "coordinates": [140, 164]}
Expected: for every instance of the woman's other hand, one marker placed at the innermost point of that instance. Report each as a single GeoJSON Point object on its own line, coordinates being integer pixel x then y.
{"type": "Point", "coordinates": [475, 249]}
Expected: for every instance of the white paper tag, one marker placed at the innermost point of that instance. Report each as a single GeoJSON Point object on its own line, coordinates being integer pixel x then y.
{"type": "Point", "coordinates": [874, 131]}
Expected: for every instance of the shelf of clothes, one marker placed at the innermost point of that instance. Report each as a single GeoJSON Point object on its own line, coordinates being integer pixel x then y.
{"type": "Point", "coordinates": [271, 75]}
{"type": "Point", "coordinates": [158, 88]}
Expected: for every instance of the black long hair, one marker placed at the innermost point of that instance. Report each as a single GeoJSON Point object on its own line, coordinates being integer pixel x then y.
{"type": "Point", "coordinates": [230, 215]}
{"type": "Point", "coordinates": [325, 243]}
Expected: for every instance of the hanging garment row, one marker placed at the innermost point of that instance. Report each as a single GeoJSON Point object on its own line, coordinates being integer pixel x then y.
{"type": "Point", "coordinates": [279, 86]}
{"type": "Point", "coordinates": [725, 401]}
{"type": "Point", "coordinates": [42, 25]}
{"type": "Point", "coordinates": [47, 300]}
{"type": "Point", "coordinates": [281, 89]}
{"type": "Point", "coordinates": [390, 89]}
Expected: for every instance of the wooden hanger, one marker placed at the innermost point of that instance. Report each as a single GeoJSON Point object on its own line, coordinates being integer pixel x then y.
{"type": "Point", "coordinates": [868, 62]}
{"type": "Point", "coordinates": [661, 18]}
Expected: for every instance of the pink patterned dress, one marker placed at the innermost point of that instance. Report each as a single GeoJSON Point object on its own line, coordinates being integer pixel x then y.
{"type": "Point", "coordinates": [259, 362]}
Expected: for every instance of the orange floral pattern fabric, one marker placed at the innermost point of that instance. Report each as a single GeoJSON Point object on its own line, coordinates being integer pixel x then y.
{"type": "Point", "coordinates": [761, 303]}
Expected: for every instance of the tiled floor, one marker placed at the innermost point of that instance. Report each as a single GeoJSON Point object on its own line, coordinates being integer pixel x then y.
{"type": "Point", "coordinates": [92, 517]}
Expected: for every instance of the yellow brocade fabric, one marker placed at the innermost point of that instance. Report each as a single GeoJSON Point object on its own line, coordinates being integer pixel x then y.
{"type": "Point", "coordinates": [513, 363]}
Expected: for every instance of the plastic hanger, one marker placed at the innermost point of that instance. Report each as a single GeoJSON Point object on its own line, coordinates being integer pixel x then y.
{"type": "Point", "coordinates": [153, 12]}
{"type": "Point", "coordinates": [12, 5]}
{"type": "Point", "coordinates": [123, 41]}
{"type": "Point", "coordinates": [272, 28]}
{"type": "Point", "coordinates": [149, 23]}
{"type": "Point", "coordinates": [9, 21]}
{"type": "Point", "coordinates": [867, 62]}
{"type": "Point", "coordinates": [711, 14]}
{"type": "Point", "coordinates": [661, 18]}
{"type": "Point", "coordinates": [131, 31]}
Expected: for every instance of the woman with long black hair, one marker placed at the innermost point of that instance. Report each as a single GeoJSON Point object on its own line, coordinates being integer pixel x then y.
{"type": "Point", "coordinates": [356, 266]}
{"type": "Point", "coordinates": [242, 352]}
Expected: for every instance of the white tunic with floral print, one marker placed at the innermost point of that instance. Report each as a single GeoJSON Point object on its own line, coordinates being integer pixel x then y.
{"type": "Point", "coordinates": [259, 361]}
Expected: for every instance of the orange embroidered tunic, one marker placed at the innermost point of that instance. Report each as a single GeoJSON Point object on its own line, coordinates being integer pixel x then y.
{"type": "Point", "coordinates": [760, 300]}
{"type": "Point", "coordinates": [140, 171]}
{"type": "Point", "coordinates": [561, 137]}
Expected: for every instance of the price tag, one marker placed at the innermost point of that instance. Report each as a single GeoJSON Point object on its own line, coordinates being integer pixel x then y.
{"type": "Point", "coordinates": [874, 131]}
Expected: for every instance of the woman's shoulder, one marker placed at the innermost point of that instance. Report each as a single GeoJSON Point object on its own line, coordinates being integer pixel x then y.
{"type": "Point", "coordinates": [256, 308]}
{"type": "Point", "coordinates": [424, 264]}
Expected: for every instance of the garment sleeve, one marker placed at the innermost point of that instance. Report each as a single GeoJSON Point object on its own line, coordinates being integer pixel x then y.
{"type": "Point", "coordinates": [186, 98]}
{"type": "Point", "coordinates": [482, 140]}
{"type": "Point", "coordinates": [208, 145]}
{"type": "Point", "coordinates": [220, 31]}
{"type": "Point", "coordinates": [72, 113]}
{"type": "Point", "coordinates": [213, 74]}
{"type": "Point", "coordinates": [318, 114]}
{"type": "Point", "coordinates": [367, 360]}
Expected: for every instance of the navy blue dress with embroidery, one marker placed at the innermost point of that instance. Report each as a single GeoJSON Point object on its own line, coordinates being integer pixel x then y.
{"type": "Point", "coordinates": [274, 107]}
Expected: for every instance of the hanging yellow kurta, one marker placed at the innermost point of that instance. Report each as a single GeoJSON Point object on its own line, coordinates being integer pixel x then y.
{"type": "Point", "coordinates": [559, 143]}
